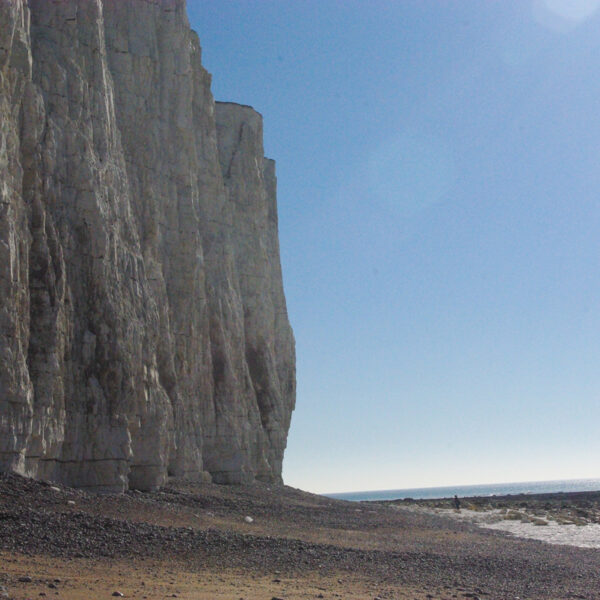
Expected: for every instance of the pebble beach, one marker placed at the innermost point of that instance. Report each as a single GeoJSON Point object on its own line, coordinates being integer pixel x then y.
{"type": "Point", "coordinates": [273, 542]}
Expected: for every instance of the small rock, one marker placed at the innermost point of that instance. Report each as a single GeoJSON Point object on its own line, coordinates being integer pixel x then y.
{"type": "Point", "coordinates": [52, 586]}
{"type": "Point", "coordinates": [54, 488]}
{"type": "Point", "coordinates": [249, 519]}
{"type": "Point", "coordinates": [71, 502]}
{"type": "Point", "coordinates": [25, 579]}
{"type": "Point", "coordinates": [118, 594]}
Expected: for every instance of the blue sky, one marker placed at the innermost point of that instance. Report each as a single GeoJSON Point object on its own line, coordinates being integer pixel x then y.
{"type": "Point", "coordinates": [439, 202]}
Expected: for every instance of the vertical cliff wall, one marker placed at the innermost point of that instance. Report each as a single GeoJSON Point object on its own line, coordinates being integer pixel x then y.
{"type": "Point", "coordinates": [143, 326]}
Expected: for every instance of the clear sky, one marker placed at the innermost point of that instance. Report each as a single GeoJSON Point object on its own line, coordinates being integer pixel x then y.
{"type": "Point", "coordinates": [439, 202]}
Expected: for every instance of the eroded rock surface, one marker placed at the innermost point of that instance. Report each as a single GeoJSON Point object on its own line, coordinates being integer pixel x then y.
{"type": "Point", "coordinates": [143, 326]}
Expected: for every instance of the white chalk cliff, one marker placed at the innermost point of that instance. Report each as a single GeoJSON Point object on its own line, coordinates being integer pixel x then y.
{"type": "Point", "coordinates": [143, 325]}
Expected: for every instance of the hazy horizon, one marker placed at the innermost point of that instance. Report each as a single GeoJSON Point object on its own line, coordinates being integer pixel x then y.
{"type": "Point", "coordinates": [449, 487]}
{"type": "Point", "coordinates": [438, 188]}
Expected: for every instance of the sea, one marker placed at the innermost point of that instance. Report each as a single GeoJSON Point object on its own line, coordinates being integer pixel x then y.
{"type": "Point", "coordinates": [465, 491]}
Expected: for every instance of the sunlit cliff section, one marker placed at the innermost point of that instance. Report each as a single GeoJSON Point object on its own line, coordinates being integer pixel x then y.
{"type": "Point", "coordinates": [143, 326]}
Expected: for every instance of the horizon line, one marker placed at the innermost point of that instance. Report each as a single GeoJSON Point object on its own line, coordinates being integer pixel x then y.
{"type": "Point", "coordinates": [435, 487]}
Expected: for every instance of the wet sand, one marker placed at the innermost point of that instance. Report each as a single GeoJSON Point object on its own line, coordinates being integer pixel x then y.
{"type": "Point", "coordinates": [193, 541]}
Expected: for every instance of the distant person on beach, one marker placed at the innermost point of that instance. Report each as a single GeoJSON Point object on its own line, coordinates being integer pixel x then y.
{"type": "Point", "coordinates": [456, 502]}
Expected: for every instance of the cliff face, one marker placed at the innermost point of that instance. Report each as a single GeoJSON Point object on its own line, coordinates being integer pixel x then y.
{"type": "Point", "coordinates": [143, 326]}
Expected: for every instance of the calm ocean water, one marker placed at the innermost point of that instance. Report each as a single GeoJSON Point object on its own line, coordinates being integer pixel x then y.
{"type": "Point", "coordinates": [498, 489]}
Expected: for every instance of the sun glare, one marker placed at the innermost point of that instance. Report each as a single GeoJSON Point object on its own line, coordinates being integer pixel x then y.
{"type": "Point", "coordinates": [563, 15]}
